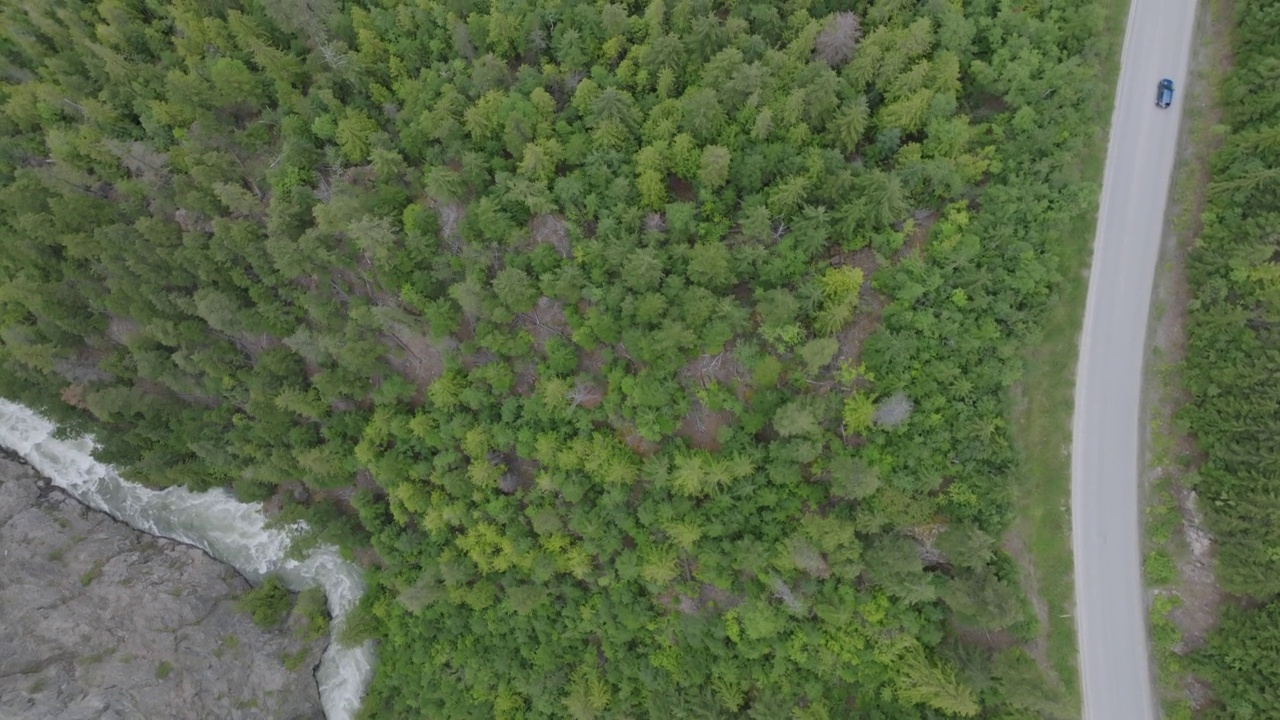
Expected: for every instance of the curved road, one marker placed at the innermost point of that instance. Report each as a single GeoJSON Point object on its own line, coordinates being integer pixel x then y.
{"type": "Point", "coordinates": [1111, 618]}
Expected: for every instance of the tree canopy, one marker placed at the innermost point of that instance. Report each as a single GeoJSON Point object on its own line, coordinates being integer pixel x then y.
{"type": "Point", "coordinates": [658, 348]}
{"type": "Point", "coordinates": [1232, 365]}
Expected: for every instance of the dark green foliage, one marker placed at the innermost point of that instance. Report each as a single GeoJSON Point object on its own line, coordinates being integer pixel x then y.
{"type": "Point", "coordinates": [1242, 663]}
{"type": "Point", "coordinates": [580, 314]}
{"type": "Point", "coordinates": [1231, 370]}
{"type": "Point", "coordinates": [267, 604]}
{"type": "Point", "coordinates": [313, 610]}
{"type": "Point", "coordinates": [1233, 354]}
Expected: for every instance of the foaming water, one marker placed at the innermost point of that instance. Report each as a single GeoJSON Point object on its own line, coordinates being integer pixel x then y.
{"type": "Point", "coordinates": [229, 530]}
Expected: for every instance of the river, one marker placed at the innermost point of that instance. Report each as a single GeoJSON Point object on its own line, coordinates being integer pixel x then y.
{"type": "Point", "coordinates": [231, 531]}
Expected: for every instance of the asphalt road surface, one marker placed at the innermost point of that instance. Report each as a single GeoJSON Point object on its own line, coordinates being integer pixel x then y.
{"type": "Point", "coordinates": [1110, 609]}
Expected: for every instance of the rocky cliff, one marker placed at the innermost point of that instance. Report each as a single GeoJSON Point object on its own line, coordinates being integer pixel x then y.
{"type": "Point", "coordinates": [100, 621]}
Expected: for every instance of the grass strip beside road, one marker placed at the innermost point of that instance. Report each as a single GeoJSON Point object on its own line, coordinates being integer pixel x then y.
{"type": "Point", "coordinates": [1042, 403]}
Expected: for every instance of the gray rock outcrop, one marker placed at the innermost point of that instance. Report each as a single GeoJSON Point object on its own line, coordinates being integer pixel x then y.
{"type": "Point", "coordinates": [99, 621]}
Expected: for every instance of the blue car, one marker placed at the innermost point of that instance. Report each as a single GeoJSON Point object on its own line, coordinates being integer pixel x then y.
{"type": "Point", "coordinates": [1164, 94]}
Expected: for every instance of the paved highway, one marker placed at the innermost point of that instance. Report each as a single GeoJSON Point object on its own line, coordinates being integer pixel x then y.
{"type": "Point", "coordinates": [1110, 607]}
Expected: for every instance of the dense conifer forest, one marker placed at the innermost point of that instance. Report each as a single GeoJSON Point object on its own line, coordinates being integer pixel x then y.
{"type": "Point", "coordinates": [1233, 370]}
{"type": "Point", "coordinates": [652, 355]}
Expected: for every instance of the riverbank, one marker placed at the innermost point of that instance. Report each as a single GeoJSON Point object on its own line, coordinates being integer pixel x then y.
{"type": "Point", "coordinates": [230, 531]}
{"type": "Point", "coordinates": [104, 621]}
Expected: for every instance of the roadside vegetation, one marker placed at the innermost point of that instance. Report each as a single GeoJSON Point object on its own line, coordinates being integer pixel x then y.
{"type": "Point", "coordinates": [661, 350]}
{"type": "Point", "coordinates": [1043, 400]}
{"type": "Point", "coordinates": [1231, 369]}
{"type": "Point", "coordinates": [1179, 562]}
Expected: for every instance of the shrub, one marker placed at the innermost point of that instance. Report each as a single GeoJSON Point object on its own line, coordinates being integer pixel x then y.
{"type": "Point", "coordinates": [313, 609]}
{"type": "Point", "coordinates": [1160, 568]}
{"type": "Point", "coordinates": [267, 604]}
